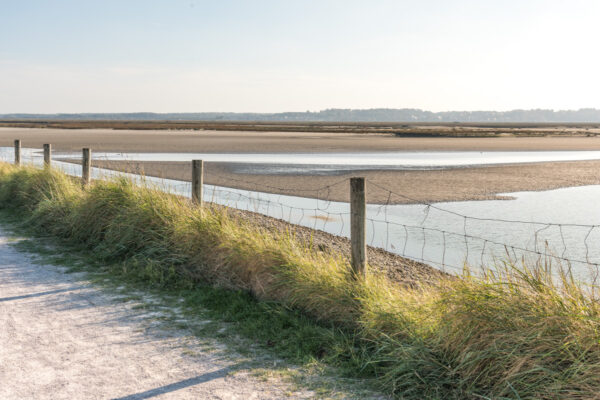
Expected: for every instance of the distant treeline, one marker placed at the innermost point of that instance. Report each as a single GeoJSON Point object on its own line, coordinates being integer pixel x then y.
{"type": "Point", "coordinates": [340, 115]}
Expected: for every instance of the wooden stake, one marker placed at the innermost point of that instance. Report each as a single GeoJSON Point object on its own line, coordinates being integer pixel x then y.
{"type": "Point", "coordinates": [197, 181]}
{"type": "Point", "coordinates": [17, 152]}
{"type": "Point", "coordinates": [86, 164]}
{"type": "Point", "coordinates": [47, 155]}
{"type": "Point", "coordinates": [358, 217]}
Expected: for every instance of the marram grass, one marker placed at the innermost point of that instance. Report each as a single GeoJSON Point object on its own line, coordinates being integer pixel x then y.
{"type": "Point", "coordinates": [515, 333]}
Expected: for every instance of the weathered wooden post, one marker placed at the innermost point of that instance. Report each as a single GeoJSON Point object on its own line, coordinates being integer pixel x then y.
{"type": "Point", "coordinates": [47, 154]}
{"type": "Point", "coordinates": [358, 216]}
{"type": "Point", "coordinates": [17, 152]}
{"type": "Point", "coordinates": [197, 181]}
{"type": "Point", "coordinates": [86, 164]}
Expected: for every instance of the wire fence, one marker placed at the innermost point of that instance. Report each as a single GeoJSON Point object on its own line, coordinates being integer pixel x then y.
{"type": "Point", "coordinates": [446, 236]}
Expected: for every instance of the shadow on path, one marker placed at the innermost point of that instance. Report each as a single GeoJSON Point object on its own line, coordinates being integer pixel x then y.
{"type": "Point", "coordinates": [221, 373]}
{"type": "Point", "coordinates": [27, 296]}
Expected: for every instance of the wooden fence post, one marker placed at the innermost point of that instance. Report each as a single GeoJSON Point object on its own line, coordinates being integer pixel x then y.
{"type": "Point", "coordinates": [86, 163]}
{"type": "Point", "coordinates": [47, 155]}
{"type": "Point", "coordinates": [358, 216]}
{"type": "Point", "coordinates": [197, 181]}
{"type": "Point", "coordinates": [17, 152]}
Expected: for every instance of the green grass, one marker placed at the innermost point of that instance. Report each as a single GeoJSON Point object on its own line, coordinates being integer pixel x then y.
{"type": "Point", "coordinates": [515, 333]}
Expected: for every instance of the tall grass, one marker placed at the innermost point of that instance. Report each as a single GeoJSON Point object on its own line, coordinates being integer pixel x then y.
{"type": "Point", "coordinates": [514, 333]}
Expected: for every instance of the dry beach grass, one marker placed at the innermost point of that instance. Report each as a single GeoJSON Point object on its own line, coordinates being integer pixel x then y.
{"type": "Point", "coordinates": [513, 332]}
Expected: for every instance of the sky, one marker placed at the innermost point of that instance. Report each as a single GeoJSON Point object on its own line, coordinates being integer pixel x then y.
{"type": "Point", "coordinates": [297, 55]}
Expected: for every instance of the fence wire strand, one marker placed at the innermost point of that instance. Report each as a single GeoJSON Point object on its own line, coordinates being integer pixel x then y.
{"type": "Point", "coordinates": [435, 235]}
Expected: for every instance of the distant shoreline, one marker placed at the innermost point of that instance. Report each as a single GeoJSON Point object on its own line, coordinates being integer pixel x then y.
{"type": "Point", "coordinates": [336, 116]}
{"type": "Point", "coordinates": [401, 129]}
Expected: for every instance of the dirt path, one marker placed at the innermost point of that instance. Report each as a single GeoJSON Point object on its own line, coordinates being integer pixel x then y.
{"type": "Point", "coordinates": [61, 338]}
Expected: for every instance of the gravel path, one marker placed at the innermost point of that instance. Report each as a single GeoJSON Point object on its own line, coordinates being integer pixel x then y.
{"type": "Point", "coordinates": [61, 338]}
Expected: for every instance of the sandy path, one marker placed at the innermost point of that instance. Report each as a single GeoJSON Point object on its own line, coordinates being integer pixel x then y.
{"type": "Point", "coordinates": [64, 339]}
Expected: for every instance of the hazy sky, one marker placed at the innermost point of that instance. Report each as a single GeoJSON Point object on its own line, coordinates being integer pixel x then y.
{"type": "Point", "coordinates": [288, 55]}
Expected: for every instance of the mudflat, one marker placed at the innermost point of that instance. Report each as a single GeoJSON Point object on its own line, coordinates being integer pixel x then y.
{"type": "Point", "coordinates": [385, 186]}
{"type": "Point", "coordinates": [393, 187]}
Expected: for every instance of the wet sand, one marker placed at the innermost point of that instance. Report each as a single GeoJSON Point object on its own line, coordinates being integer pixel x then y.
{"type": "Point", "coordinates": [394, 187]}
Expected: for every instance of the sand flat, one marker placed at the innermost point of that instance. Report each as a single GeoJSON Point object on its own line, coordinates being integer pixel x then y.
{"type": "Point", "coordinates": [260, 142]}
{"type": "Point", "coordinates": [473, 183]}
{"type": "Point", "coordinates": [394, 187]}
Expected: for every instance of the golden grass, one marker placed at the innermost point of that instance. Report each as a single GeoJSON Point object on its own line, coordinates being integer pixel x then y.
{"type": "Point", "coordinates": [512, 332]}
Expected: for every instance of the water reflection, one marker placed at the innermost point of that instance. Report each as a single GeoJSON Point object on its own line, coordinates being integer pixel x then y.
{"type": "Point", "coordinates": [362, 160]}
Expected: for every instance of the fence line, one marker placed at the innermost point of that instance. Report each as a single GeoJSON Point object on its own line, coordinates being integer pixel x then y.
{"type": "Point", "coordinates": [421, 231]}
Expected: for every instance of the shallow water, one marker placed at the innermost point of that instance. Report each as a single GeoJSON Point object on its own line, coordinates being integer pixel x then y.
{"type": "Point", "coordinates": [556, 224]}
{"type": "Point", "coordinates": [303, 162]}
